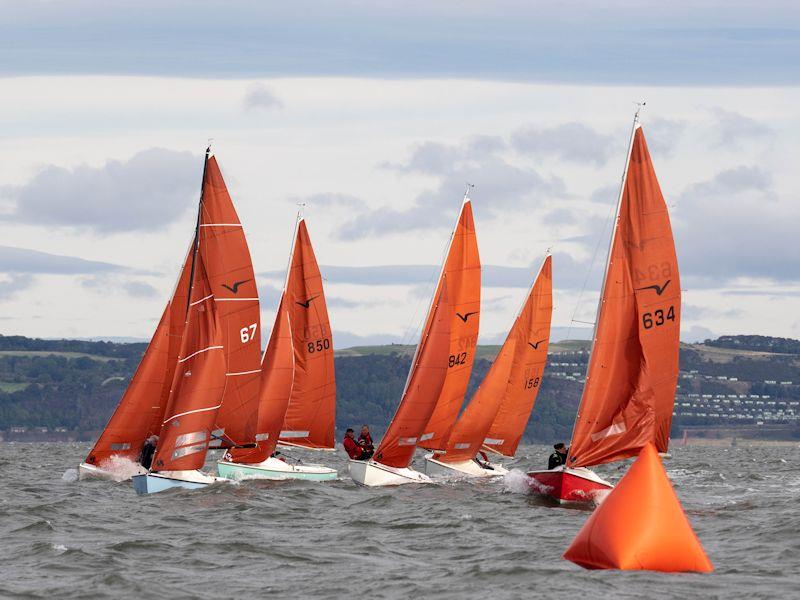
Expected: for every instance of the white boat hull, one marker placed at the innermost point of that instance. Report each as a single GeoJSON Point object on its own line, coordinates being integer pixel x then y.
{"type": "Point", "coordinates": [465, 468]}
{"type": "Point", "coordinates": [373, 474]}
{"type": "Point", "coordinates": [87, 471]}
{"type": "Point", "coordinates": [150, 483]}
{"type": "Point", "coordinates": [274, 468]}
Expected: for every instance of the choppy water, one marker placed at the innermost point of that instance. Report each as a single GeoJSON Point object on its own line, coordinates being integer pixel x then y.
{"type": "Point", "coordinates": [67, 539]}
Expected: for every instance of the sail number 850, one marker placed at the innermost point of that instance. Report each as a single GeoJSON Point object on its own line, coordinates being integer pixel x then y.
{"type": "Point", "coordinates": [658, 318]}
{"type": "Point", "coordinates": [319, 345]}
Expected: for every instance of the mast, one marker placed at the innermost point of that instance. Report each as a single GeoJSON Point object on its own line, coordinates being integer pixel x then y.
{"type": "Point", "coordinates": [601, 300]}
{"type": "Point", "coordinates": [196, 245]}
{"type": "Point", "coordinates": [469, 187]}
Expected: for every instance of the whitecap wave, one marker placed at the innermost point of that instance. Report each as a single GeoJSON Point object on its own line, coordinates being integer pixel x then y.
{"type": "Point", "coordinates": [70, 475]}
{"type": "Point", "coordinates": [121, 468]}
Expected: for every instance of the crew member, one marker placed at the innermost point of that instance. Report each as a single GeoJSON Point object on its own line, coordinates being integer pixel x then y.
{"type": "Point", "coordinates": [148, 450]}
{"type": "Point", "coordinates": [559, 457]}
{"type": "Point", "coordinates": [351, 446]}
{"type": "Point", "coordinates": [365, 440]}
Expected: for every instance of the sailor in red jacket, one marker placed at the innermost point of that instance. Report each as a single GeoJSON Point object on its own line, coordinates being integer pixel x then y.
{"type": "Point", "coordinates": [365, 440]}
{"type": "Point", "coordinates": [352, 447]}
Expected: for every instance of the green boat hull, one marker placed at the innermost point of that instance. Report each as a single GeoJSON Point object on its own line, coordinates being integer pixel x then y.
{"type": "Point", "coordinates": [306, 472]}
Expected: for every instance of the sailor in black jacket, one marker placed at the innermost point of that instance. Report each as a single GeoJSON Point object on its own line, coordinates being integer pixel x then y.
{"type": "Point", "coordinates": [559, 457]}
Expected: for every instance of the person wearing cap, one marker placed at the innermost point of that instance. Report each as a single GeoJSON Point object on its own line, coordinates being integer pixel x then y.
{"type": "Point", "coordinates": [559, 457]}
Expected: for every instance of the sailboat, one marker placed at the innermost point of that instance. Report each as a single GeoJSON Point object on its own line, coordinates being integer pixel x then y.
{"type": "Point", "coordinates": [428, 407]}
{"type": "Point", "coordinates": [462, 269]}
{"type": "Point", "coordinates": [297, 378]}
{"type": "Point", "coordinates": [391, 462]}
{"type": "Point", "coordinates": [198, 387]}
{"type": "Point", "coordinates": [495, 418]}
{"type": "Point", "coordinates": [140, 412]}
{"type": "Point", "coordinates": [222, 283]}
{"type": "Point", "coordinates": [632, 375]}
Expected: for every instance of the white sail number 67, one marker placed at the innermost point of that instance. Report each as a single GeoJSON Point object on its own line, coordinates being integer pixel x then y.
{"type": "Point", "coordinates": [248, 333]}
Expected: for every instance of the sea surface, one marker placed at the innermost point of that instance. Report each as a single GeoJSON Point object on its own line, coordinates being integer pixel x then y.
{"type": "Point", "coordinates": [63, 538]}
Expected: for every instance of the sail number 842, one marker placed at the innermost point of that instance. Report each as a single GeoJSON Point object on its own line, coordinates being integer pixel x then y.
{"type": "Point", "coordinates": [658, 317]}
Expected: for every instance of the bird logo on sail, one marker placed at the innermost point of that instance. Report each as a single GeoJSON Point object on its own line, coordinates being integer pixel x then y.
{"type": "Point", "coordinates": [466, 316]}
{"type": "Point", "coordinates": [307, 303]}
{"type": "Point", "coordinates": [658, 288]}
{"type": "Point", "coordinates": [536, 345]}
{"type": "Point", "coordinates": [235, 287]}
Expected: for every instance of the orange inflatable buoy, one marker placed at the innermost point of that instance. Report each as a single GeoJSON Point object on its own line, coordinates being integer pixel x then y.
{"type": "Point", "coordinates": [640, 526]}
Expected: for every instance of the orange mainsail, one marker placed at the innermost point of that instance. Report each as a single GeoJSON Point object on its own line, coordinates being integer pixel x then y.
{"type": "Point", "coordinates": [425, 381]}
{"type": "Point", "coordinates": [310, 416]}
{"type": "Point", "coordinates": [226, 257]}
{"type": "Point", "coordinates": [141, 409]}
{"type": "Point", "coordinates": [462, 267]}
{"type": "Point", "coordinates": [498, 413]}
{"type": "Point", "coordinates": [277, 371]}
{"type": "Point", "coordinates": [198, 383]}
{"type": "Point", "coordinates": [633, 370]}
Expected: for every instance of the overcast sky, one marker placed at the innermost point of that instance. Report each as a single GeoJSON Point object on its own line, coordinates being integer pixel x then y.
{"type": "Point", "coordinates": [375, 115]}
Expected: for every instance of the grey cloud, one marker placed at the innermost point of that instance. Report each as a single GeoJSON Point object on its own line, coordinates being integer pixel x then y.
{"type": "Point", "coordinates": [105, 283]}
{"type": "Point", "coordinates": [732, 226]}
{"type": "Point", "coordinates": [259, 97]}
{"type": "Point", "coordinates": [663, 134]}
{"type": "Point", "coordinates": [24, 260]}
{"type": "Point", "coordinates": [732, 181]}
{"type": "Point", "coordinates": [331, 200]}
{"type": "Point", "coordinates": [570, 142]}
{"type": "Point", "coordinates": [139, 289]}
{"type": "Point", "coordinates": [732, 129]}
{"type": "Point", "coordinates": [425, 275]}
{"type": "Point", "coordinates": [14, 284]}
{"type": "Point", "coordinates": [500, 185]}
{"type": "Point", "coordinates": [147, 192]}
{"type": "Point", "coordinates": [683, 43]}
{"type": "Point", "coordinates": [696, 334]}
{"type": "Point", "coordinates": [694, 311]}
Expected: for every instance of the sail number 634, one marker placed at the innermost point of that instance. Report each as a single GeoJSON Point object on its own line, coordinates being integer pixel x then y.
{"type": "Point", "coordinates": [658, 318]}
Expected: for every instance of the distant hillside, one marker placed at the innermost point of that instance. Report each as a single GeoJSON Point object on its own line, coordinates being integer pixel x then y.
{"type": "Point", "coordinates": [74, 385]}
{"type": "Point", "coordinates": [757, 343]}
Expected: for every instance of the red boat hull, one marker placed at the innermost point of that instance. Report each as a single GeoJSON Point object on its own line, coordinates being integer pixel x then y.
{"type": "Point", "coordinates": [569, 486]}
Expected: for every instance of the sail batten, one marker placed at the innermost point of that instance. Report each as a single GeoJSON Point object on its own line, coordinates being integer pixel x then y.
{"type": "Point", "coordinates": [633, 367]}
